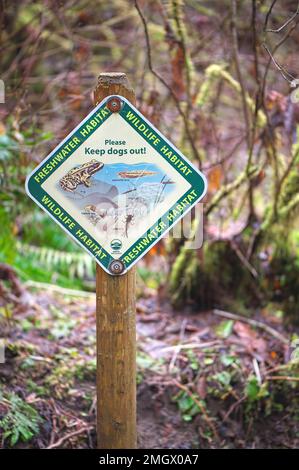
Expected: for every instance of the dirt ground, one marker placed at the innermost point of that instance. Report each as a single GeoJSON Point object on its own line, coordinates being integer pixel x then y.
{"type": "Point", "coordinates": [204, 381]}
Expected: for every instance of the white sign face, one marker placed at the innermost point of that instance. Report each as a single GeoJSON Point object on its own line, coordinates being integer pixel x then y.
{"type": "Point", "coordinates": [116, 184]}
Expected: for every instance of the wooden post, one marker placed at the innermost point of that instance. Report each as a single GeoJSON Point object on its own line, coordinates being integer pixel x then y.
{"type": "Point", "coordinates": [116, 330]}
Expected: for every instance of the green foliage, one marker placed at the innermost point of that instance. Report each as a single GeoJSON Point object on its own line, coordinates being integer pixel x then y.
{"type": "Point", "coordinates": [288, 197]}
{"type": "Point", "coordinates": [14, 166]}
{"type": "Point", "coordinates": [193, 360]}
{"type": "Point", "coordinates": [290, 188]}
{"type": "Point", "coordinates": [224, 378]}
{"type": "Point", "coordinates": [258, 397]}
{"type": "Point", "coordinates": [62, 328]}
{"type": "Point", "coordinates": [75, 264]}
{"type": "Point", "coordinates": [228, 360]}
{"type": "Point", "coordinates": [7, 147]}
{"type": "Point", "coordinates": [46, 254]}
{"type": "Point", "coordinates": [37, 389]}
{"type": "Point", "coordinates": [86, 370]}
{"type": "Point", "coordinates": [253, 389]}
{"type": "Point", "coordinates": [187, 404]}
{"type": "Point", "coordinates": [21, 422]}
{"type": "Point", "coordinates": [152, 279]}
{"type": "Point", "coordinates": [32, 263]}
{"type": "Point", "coordinates": [70, 367]}
{"type": "Point", "coordinates": [29, 267]}
{"type": "Point", "coordinates": [225, 328]}
{"type": "Point", "coordinates": [40, 231]}
{"type": "Point", "coordinates": [7, 240]}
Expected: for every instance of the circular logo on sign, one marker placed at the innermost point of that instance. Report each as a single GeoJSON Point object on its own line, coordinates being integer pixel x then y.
{"type": "Point", "coordinates": [116, 245]}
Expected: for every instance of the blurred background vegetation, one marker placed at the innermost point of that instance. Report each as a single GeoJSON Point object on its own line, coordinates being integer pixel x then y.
{"type": "Point", "coordinates": [205, 74]}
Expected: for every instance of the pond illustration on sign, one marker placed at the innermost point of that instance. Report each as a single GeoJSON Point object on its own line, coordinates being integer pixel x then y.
{"type": "Point", "coordinates": [115, 198]}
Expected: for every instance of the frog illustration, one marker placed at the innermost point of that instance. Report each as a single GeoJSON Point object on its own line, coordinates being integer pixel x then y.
{"type": "Point", "coordinates": [80, 175]}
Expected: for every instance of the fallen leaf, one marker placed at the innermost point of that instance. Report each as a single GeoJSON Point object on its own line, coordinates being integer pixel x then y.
{"type": "Point", "coordinates": [250, 338]}
{"type": "Point", "coordinates": [215, 179]}
{"type": "Point", "coordinates": [273, 355]}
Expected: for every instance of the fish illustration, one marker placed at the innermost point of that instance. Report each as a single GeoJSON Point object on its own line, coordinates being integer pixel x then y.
{"type": "Point", "coordinates": [136, 173]}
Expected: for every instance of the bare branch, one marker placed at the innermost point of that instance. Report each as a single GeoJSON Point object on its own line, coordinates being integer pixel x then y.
{"type": "Point", "coordinates": [285, 24]}
{"type": "Point", "coordinates": [161, 79]}
{"type": "Point", "coordinates": [269, 14]}
{"type": "Point", "coordinates": [284, 73]}
{"type": "Point", "coordinates": [239, 73]}
{"type": "Point", "coordinates": [277, 46]}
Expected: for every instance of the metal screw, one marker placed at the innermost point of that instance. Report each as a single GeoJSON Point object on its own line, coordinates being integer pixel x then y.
{"type": "Point", "coordinates": [114, 105]}
{"type": "Point", "coordinates": [116, 266]}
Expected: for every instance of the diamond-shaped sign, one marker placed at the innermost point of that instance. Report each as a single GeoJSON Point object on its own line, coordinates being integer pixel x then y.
{"type": "Point", "coordinates": [116, 184]}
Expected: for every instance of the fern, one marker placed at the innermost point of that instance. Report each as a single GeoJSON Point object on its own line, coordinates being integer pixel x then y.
{"type": "Point", "coordinates": [7, 240]}
{"type": "Point", "coordinates": [21, 421]}
{"type": "Point", "coordinates": [79, 265]}
{"type": "Point", "coordinates": [7, 147]}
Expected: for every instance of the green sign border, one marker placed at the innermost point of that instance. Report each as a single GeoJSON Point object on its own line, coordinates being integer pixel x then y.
{"type": "Point", "coordinates": [196, 179]}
